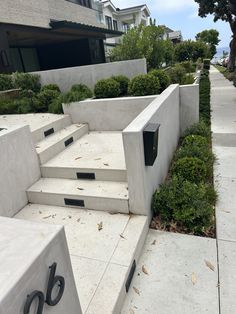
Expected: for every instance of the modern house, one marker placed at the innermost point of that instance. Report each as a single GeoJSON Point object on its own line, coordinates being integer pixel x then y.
{"type": "Point", "coordinates": [122, 20]}
{"type": "Point", "coordinates": [175, 36]}
{"type": "Point", "coordinates": [50, 34]}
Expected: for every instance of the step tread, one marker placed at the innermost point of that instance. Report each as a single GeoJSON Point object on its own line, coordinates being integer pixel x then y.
{"type": "Point", "coordinates": [87, 188]}
{"type": "Point", "coordinates": [58, 136]}
{"type": "Point", "coordinates": [96, 150]}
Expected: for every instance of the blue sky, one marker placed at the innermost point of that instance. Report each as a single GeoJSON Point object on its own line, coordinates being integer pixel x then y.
{"type": "Point", "coordinates": [181, 15]}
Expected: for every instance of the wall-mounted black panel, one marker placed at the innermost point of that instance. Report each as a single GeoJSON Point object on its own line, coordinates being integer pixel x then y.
{"type": "Point", "coordinates": [48, 132]}
{"type": "Point", "coordinates": [150, 141]}
{"type": "Point", "coordinates": [73, 202]}
{"type": "Point", "coordinates": [69, 141]}
{"type": "Point", "coordinates": [85, 175]}
{"type": "Point", "coordinates": [130, 277]}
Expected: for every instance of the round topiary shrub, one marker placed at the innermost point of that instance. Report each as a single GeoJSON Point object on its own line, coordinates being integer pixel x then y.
{"type": "Point", "coordinates": [177, 74]}
{"type": "Point", "coordinates": [124, 83]}
{"type": "Point", "coordinates": [54, 87]}
{"type": "Point", "coordinates": [107, 88]}
{"type": "Point", "coordinates": [26, 81]}
{"type": "Point", "coordinates": [191, 169]}
{"type": "Point", "coordinates": [82, 90]}
{"type": "Point", "coordinates": [6, 82]}
{"type": "Point", "coordinates": [195, 140]}
{"type": "Point", "coordinates": [43, 100]}
{"type": "Point", "coordinates": [143, 85]}
{"type": "Point", "coordinates": [163, 78]}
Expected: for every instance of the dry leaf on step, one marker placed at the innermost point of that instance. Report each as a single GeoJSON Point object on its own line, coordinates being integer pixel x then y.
{"type": "Point", "coordinates": [100, 226]}
{"type": "Point", "coordinates": [136, 290]}
{"type": "Point", "coordinates": [209, 265]}
{"type": "Point", "coordinates": [194, 278]}
{"type": "Point", "coordinates": [78, 158]}
{"type": "Point", "coordinates": [106, 165]}
{"type": "Point", "coordinates": [144, 270]}
{"type": "Point", "coordinates": [154, 242]}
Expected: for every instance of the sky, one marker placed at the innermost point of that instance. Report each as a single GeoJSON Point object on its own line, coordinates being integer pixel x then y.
{"type": "Point", "coordinates": [181, 15]}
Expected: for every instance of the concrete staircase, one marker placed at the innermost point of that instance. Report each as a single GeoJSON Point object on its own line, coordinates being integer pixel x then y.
{"type": "Point", "coordinates": [84, 187]}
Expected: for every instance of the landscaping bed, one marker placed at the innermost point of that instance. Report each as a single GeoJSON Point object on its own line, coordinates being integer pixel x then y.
{"type": "Point", "coordinates": [231, 76]}
{"type": "Point", "coordinates": [185, 202]}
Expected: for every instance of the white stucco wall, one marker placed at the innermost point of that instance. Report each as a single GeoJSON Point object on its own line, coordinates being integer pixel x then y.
{"type": "Point", "coordinates": [90, 74]}
{"type": "Point", "coordinates": [113, 114]}
{"type": "Point", "coordinates": [38, 13]}
{"type": "Point", "coordinates": [19, 169]}
{"type": "Point", "coordinates": [27, 250]}
{"type": "Point", "coordinates": [142, 180]}
{"type": "Point", "coordinates": [189, 106]}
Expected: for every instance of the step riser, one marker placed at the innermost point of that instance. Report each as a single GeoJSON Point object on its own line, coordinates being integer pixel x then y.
{"type": "Point", "coordinates": [94, 203]}
{"type": "Point", "coordinates": [58, 147]}
{"type": "Point", "coordinates": [38, 135]}
{"type": "Point", "coordinates": [71, 173]}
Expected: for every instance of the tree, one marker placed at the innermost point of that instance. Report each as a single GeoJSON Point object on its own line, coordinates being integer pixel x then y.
{"type": "Point", "coordinates": [226, 11]}
{"type": "Point", "coordinates": [144, 42]}
{"type": "Point", "coordinates": [190, 50]}
{"type": "Point", "coordinates": [211, 38]}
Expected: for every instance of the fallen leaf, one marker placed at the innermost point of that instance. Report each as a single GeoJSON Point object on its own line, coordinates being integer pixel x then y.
{"type": "Point", "coordinates": [69, 217]}
{"type": "Point", "coordinates": [209, 265]}
{"type": "Point", "coordinates": [97, 158]}
{"type": "Point", "coordinates": [81, 189]}
{"type": "Point", "coordinates": [136, 290]}
{"type": "Point", "coordinates": [47, 217]}
{"type": "Point", "coordinates": [194, 278]}
{"type": "Point", "coordinates": [144, 270]}
{"type": "Point", "coordinates": [154, 242]}
{"type": "Point", "coordinates": [78, 220]}
{"type": "Point", "coordinates": [100, 226]}
{"type": "Point", "coordinates": [121, 235]}
{"type": "Point", "coordinates": [106, 165]}
{"type": "Point", "coordinates": [226, 211]}
{"type": "Point", "coordinates": [78, 158]}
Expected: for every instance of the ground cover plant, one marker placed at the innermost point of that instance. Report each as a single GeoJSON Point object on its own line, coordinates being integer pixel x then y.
{"type": "Point", "coordinates": [185, 202]}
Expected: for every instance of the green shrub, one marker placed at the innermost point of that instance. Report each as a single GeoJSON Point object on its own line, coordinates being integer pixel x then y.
{"type": "Point", "coordinates": [177, 74]}
{"type": "Point", "coordinates": [163, 78]}
{"type": "Point", "coordinates": [206, 64]}
{"type": "Point", "coordinates": [190, 168]}
{"type": "Point", "coordinates": [27, 81]}
{"type": "Point", "coordinates": [56, 106]}
{"type": "Point", "coordinates": [82, 90]}
{"type": "Point", "coordinates": [43, 100]}
{"type": "Point", "coordinates": [189, 79]}
{"type": "Point", "coordinates": [124, 83]}
{"type": "Point", "coordinates": [53, 87]}
{"type": "Point", "coordinates": [24, 105]}
{"type": "Point", "coordinates": [211, 194]}
{"type": "Point", "coordinates": [5, 82]}
{"type": "Point", "coordinates": [189, 66]}
{"type": "Point", "coordinates": [185, 203]}
{"type": "Point", "coordinates": [8, 107]}
{"type": "Point", "coordinates": [196, 140]}
{"type": "Point", "coordinates": [200, 128]}
{"type": "Point", "coordinates": [205, 98]}
{"type": "Point", "coordinates": [107, 88]}
{"type": "Point", "coordinates": [143, 85]}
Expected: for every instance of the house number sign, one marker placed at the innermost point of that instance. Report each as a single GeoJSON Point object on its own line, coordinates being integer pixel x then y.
{"type": "Point", "coordinates": [36, 295]}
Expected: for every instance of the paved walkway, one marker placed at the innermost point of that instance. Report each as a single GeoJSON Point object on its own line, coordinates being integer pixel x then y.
{"type": "Point", "coordinates": [181, 274]}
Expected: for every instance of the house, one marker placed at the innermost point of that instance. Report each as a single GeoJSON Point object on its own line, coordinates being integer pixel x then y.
{"type": "Point", "coordinates": [175, 36]}
{"type": "Point", "coordinates": [122, 20]}
{"type": "Point", "coordinates": [50, 34]}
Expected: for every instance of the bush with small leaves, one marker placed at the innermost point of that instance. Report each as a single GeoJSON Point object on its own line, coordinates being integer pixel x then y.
{"type": "Point", "coordinates": [195, 140]}
{"type": "Point", "coordinates": [82, 90]}
{"type": "Point", "coordinates": [190, 168]}
{"type": "Point", "coordinates": [5, 82]}
{"type": "Point", "coordinates": [107, 88]}
{"type": "Point", "coordinates": [56, 106]}
{"type": "Point", "coordinates": [200, 128]}
{"type": "Point", "coordinates": [43, 100]}
{"type": "Point", "coordinates": [163, 78]}
{"type": "Point", "coordinates": [8, 107]}
{"type": "Point", "coordinates": [53, 87]}
{"type": "Point", "coordinates": [177, 74]}
{"type": "Point", "coordinates": [206, 64]}
{"type": "Point", "coordinates": [27, 81]}
{"type": "Point", "coordinates": [124, 83]}
{"type": "Point", "coordinates": [143, 85]}
{"type": "Point", "coordinates": [189, 66]}
{"type": "Point", "coordinates": [189, 79]}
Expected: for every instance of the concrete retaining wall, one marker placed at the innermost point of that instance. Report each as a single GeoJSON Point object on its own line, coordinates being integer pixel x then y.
{"type": "Point", "coordinates": [19, 169]}
{"type": "Point", "coordinates": [112, 114]}
{"type": "Point", "coordinates": [142, 180]}
{"type": "Point", "coordinates": [90, 74]}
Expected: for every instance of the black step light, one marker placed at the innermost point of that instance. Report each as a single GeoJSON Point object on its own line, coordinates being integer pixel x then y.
{"type": "Point", "coordinates": [150, 142]}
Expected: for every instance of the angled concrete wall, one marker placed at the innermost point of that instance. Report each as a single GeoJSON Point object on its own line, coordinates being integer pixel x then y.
{"type": "Point", "coordinates": [143, 180]}
{"type": "Point", "coordinates": [27, 250]}
{"type": "Point", "coordinates": [90, 74]}
{"type": "Point", "coordinates": [19, 169]}
{"type": "Point", "coordinates": [113, 114]}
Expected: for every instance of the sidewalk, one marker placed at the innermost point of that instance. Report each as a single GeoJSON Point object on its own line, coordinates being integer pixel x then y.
{"type": "Point", "coordinates": [223, 101]}
{"type": "Point", "coordinates": [173, 275]}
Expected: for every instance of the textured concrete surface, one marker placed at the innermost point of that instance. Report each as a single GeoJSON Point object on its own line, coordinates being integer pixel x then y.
{"type": "Point", "coordinates": [101, 259]}
{"type": "Point", "coordinates": [172, 276]}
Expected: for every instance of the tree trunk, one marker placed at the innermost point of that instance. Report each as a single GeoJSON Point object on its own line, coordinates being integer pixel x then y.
{"type": "Point", "coordinates": [232, 56]}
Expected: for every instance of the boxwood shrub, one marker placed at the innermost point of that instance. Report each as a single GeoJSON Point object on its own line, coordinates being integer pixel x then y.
{"type": "Point", "coordinates": [195, 140]}
{"type": "Point", "coordinates": [191, 169]}
{"type": "Point", "coordinates": [200, 128]}
{"type": "Point", "coordinates": [124, 83]}
{"type": "Point", "coordinates": [143, 85]}
{"type": "Point", "coordinates": [43, 99]}
{"type": "Point", "coordinates": [164, 78]}
{"type": "Point", "coordinates": [107, 88]}
{"type": "Point", "coordinates": [82, 90]}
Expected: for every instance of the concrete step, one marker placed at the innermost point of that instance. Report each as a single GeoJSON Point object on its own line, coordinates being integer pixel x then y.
{"type": "Point", "coordinates": [101, 260]}
{"type": "Point", "coordinates": [90, 194]}
{"type": "Point", "coordinates": [56, 143]}
{"type": "Point", "coordinates": [98, 153]}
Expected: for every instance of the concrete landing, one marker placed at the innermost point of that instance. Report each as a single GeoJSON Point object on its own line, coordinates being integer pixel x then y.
{"type": "Point", "coordinates": [102, 248]}
{"type": "Point", "coordinates": [172, 276]}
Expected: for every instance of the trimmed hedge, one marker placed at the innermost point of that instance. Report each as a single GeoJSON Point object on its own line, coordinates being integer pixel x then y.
{"type": "Point", "coordinates": [163, 77]}
{"type": "Point", "coordinates": [107, 88]}
{"type": "Point", "coordinates": [123, 82]}
{"type": "Point", "coordinates": [143, 85]}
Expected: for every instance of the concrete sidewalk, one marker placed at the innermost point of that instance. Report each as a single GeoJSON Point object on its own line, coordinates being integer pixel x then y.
{"type": "Point", "coordinates": [173, 275]}
{"type": "Point", "coordinates": [223, 102]}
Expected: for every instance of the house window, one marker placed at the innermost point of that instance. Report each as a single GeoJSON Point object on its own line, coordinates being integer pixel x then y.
{"type": "Point", "coordinates": [115, 25]}
{"type": "Point", "coordinates": [84, 3]}
{"type": "Point", "coordinates": [125, 27]}
{"type": "Point", "coordinates": [108, 22]}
